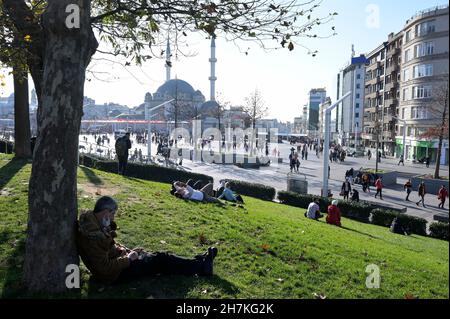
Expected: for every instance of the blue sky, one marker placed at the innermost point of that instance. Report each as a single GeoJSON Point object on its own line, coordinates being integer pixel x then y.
{"type": "Point", "coordinates": [283, 77]}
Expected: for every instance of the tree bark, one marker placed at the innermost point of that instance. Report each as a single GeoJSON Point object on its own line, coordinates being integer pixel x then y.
{"type": "Point", "coordinates": [50, 244]}
{"type": "Point", "coordinates": [441, 138]}
{"type": "Point", "coordinates": [22, 134]}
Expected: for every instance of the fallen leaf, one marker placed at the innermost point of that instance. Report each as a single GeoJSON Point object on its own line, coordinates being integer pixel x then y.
{"type": "Point", "coordinates": [163, 242]}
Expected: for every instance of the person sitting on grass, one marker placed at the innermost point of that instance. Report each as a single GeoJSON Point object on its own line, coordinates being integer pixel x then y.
{"type": "Point", "coordinates": [313, 211]}
{"type": "Point", "coordinates": [229, 195]}
{"type": "Point", "coordinates": [112, 263]}
{"type": "Point", "coordinates": [203, 195]}
{"type": "Point", "coordinates": [334, 214]}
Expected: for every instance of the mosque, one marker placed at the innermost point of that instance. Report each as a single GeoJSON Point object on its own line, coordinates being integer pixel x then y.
{"type": "Point", "coordinates": [190, 103]}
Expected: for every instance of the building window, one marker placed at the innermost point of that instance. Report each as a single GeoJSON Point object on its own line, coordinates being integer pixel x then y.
{"type": "Point", "coordinates": [424, 49]}
{"type": "Point", "coordinates": [405, 94]}
{"type": "Point", "coordinates": [358, 76]}
{"type": "Point", "coordinates": [357, 105]}
{"type": "Point", "coordinates": [407, 55]}
{"type": "Point", "coordinates": [423, 70]}
{"type": "Point", "coordinates": [408, 36]}
{"type": "Point", "coordinates": [403, 113]}
{"type": "Point", "coordinates": [406, 75]}
{"type": "Point", "coordinates": [356, 115]}
{"type": "Point", "coordinates": [358, 86]}
{"type": "Point", "coordinates": [357, 95]}
{"type": "Point", "coordinates": [418, 113]}
{"type": "Point", "coordinates": [425, 28]}
{"type": "Point", "coordinates": [421, 92]}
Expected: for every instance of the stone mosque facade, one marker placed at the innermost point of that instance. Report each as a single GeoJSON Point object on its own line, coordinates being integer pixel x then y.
{"type": "Point", "coordinates": [191, 102]}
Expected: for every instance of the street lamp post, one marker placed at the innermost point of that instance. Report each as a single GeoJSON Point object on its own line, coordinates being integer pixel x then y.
{"type": "Point", "coordinates": [149, 125]}
{"type": "Point", "coordinates": [326, 147]}
{"type": "Point", "coordinates": [404, 135]}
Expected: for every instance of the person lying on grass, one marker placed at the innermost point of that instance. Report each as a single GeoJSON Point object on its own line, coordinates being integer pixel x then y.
{"type": "Point", "coordinates": [183, 190]}
{"type": "Point", "coordinates": [111, 263]}
{"type": "Point", "coordinates": [229, 195]}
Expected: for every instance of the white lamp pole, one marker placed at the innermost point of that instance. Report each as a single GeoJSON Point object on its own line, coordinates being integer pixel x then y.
{"type": "Point", "coordinates": [326, 147]}
{"type": "Point", "coordinates": [404, 135]}
{"type": "Point", "coordinates": [149, 125]}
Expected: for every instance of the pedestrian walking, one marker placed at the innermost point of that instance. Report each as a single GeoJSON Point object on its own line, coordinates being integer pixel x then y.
{"type": "Point", "coordinates": [401, 161]}
{"type": "Point", "coordinates": [427, 161]}
{"type": "Point", "coordinates": [408, 188]}
{"type": "Point", "coordinates": [346, 189]}
{"type": "Point", "coordinates": [422, 192]}
{"type": "Point", "coordinates": [369, 155]}
{"type": "Point", "coordinates": [442, 196]}
{"type": "Point", "coordinates": [379, 186]}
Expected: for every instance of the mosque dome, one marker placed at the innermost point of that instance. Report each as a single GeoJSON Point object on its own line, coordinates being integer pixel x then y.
{"type": "Point", "coordinates": [209, 108]}
{"type": "Point", "coordinates": [172, 87]}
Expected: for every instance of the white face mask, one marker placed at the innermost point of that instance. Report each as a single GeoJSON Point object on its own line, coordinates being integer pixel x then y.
{"type": "Point", "coordinates": [106, 222]}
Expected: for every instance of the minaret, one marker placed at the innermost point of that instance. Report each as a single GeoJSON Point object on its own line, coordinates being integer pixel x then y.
{"type": "Point", "coordinates": [212, 78]}
{"type": "Point", "coordinates": [168, 63]}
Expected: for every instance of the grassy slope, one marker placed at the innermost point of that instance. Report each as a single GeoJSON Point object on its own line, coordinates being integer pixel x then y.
{"type": "Point", "coordinates": [301, 257]}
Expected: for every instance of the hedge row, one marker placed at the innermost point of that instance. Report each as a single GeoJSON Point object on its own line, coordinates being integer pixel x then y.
{"type": "Point", "coordinates": [439, 230]}
{"type": "Point", "coordinates": [6, 147]}
{"type": "Point", "coordinates": [363, 212]}
{"type": "Point", "coordinates": [253, 190]}
{"type": "Point", "coordinates": [148, 172]}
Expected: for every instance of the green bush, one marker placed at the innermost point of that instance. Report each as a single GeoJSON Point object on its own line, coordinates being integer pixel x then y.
{"type": "Point", "coordinates": [382, 217]}
{"type": "Point", "coordinates": [351, 210]}
{"type": "Point", "coordinates": [148, 172]}
{"type": "Point", "coordinates": [253, 190]}
{"type": "Point", "coordinates": [414, 225]}
{"type": "Point", "coordinates": [357, 211]}
{"type": "Point", "coordinates": [439, 230]}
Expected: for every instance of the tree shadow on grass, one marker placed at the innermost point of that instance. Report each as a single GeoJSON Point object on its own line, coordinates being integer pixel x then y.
{"type": "Point", "coordinates": [91, 176]}
{"type": "Point", "coordinates": [13, 286]}
{"type": "Point", "coordinates": [163, 287]}
{"type": "Point", "coordinates": [8, 171]}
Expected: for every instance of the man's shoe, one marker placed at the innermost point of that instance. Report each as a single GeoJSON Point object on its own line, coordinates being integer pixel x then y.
{"type": "Point", "coordinates": [208, 262]}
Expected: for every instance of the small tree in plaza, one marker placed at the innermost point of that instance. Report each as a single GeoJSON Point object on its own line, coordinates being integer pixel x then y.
{"type": "Point", "coordinates": [438, 112]}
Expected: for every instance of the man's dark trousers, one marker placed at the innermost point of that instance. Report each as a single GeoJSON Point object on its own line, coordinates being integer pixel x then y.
{"type": "Point", "coordinates": [123, 161]}
{"type": "Point", "coordinates": [160, 263]}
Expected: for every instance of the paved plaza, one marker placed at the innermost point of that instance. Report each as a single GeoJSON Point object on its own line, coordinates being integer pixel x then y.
{"type": "Point", "coordinates": [311, 169]}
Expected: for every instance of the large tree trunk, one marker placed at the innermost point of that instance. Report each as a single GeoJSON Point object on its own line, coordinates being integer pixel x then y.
{"type": "Point", "coordinates": [52, 201]}
{"type": "Point", "coordinates": [22, 134]}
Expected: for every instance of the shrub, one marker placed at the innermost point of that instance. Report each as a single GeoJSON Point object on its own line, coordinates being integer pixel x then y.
{"type": "Point", "coordinates": [439, 230]}
{"type": "Point", "coordinates": [253, 190]}
{"type": "Point", "coordinates": [414, 225]}
{"type": "Point", "coordinates": [148, 172]}
{"type": "Point", "coordinates": [382, 217]}
{"type": "Point", "coordinates": [362, 211]}
{"type": "Point", "coordinates": [357, 211]}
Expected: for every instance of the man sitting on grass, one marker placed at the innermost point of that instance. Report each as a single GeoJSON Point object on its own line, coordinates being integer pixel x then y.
{"type": "Point", "coordinates": [313, 211]}
{"type": "Point", "coordinates": [110, 262]}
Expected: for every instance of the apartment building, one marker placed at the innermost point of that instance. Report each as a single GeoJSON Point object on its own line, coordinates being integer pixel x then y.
{"type": "Point", "coordinates": [424, 70]}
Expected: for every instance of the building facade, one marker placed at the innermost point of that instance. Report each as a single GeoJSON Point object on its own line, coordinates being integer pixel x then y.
{"type": "Point", "coordinates": [351, 112]}
{"type": "Point", "coordinates": [316, 97]}
{"type": "Point", "coordinates": [424, 70]}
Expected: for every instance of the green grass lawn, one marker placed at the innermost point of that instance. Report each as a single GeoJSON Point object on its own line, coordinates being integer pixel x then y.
{"type": "Point", "coordinates": [266, 250]}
